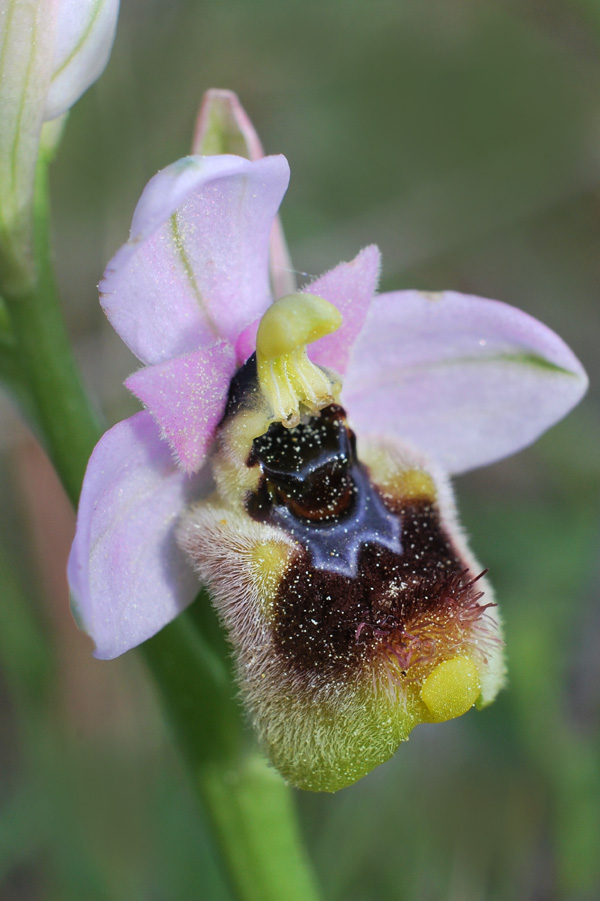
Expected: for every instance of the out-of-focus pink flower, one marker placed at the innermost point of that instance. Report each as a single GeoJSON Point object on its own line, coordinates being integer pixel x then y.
{"type": "Point", "coordinates": [51, 51]}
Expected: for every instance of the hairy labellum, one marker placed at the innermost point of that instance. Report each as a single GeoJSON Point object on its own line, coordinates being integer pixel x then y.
{"type": "Point", "coordinates": [353, 606]}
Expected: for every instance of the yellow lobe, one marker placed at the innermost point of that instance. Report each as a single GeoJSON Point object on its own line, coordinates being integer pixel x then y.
{"type": "Point", "coordinates": [451, 689]}
{"type": "Point", "coordinates": [287, 377]}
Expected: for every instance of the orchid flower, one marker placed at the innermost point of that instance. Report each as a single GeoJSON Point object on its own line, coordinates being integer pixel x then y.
{"type": "Point", "coordinates": [51, 51]}
{"type": "Point", "coordinates": [294, 455]}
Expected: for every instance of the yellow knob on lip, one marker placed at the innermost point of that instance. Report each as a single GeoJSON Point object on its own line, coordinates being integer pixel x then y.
{"type": "Point", "coordinates": [451, 689]}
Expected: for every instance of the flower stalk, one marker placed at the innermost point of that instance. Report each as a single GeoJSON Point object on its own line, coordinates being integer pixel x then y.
{"type": "Point", "coordinates": [64, 419]}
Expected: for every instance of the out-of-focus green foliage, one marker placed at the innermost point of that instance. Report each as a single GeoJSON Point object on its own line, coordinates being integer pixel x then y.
{"type": "Point", "coordinates": [463, 138]}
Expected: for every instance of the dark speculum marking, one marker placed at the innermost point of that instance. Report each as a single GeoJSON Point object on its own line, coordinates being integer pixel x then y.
{"type": "Point", "coordinates": [374, 573]}
{"type": "Point", "coordinates": [315, 489]}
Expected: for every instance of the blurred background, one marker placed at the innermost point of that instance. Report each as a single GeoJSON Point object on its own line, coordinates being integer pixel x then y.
{"type": "Point", "coordinates": [464, 139]}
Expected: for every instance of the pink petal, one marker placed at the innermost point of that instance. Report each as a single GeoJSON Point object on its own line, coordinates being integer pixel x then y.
{"type": "Point", "coordinates": [195, 269]}
{"type": "Point", "coordinates": [223, 126]}
{"type": "Point", "coordinates": [466, 380]}
{"type": "Point", "coordinates": [187, 398]}
{"type": "Point", "coordinates": [126, 572]}
{"type": "Point", "coordinates": [246, 343]}
{"type": "Point", "coordinates": [351, 287]}
{"type": "Point", "coordinates": [85, 31]}
{"type": "Point", "coordinates": [283, 277]}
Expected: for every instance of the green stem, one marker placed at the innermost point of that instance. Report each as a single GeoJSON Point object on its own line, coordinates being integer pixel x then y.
{"type": "Point", "coordinates": [250, 807]}
{"type": "Point", "coordinates": [66, 422]}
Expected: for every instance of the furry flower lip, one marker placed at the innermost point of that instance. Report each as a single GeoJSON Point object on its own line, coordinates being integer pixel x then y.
{"type": "Point", "coordinates": [354, 609]}
{"type": "Point", "coordinates": [307, 485]}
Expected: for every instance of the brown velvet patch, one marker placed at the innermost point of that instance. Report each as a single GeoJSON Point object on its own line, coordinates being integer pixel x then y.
{"type": "Point", "coordinates": [327, 621]}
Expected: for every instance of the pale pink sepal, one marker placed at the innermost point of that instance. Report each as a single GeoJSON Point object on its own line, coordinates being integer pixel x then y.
{"type": "Point", "coordinates": [223, 126]}
{"type": "Point", "coordinates": [350, 287]}
{"type": "Point", "coordinates": [195, 269]}
{"type": "Point", "coordinates": [85, 31]}
{"type": "Point", "coordinates": [126, 572]}
{"type": "Point", "coordinates": [187, 398]}
{"type": "Point", "coordinates": [464, 379]}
